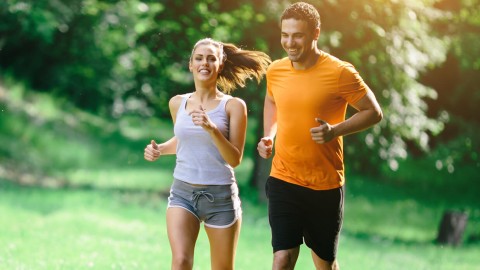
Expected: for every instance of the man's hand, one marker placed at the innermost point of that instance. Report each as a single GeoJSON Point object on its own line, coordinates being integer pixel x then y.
{"type": "Point", "coordinates": [152, 151]}
{"type": "Point", "coordinates": [265, 147]}
{"type": "Point", "coordinates": [323, 133]}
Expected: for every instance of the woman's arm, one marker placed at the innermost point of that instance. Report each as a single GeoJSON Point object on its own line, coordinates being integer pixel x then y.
{"type": "Point", "coordinates": [230, 148]}
{"type": "Point", "coordinates": [153, 150]}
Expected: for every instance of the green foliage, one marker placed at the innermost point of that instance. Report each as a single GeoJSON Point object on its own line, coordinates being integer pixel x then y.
{"type": "Point", "coordinates": [42, 136]}
{"type": "Point", "coordinates": [118, 58]}
{"type": "Point", "coordinates": [457, 83]}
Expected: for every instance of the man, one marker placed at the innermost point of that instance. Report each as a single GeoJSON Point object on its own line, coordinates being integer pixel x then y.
{"type": "Point", "coordinates": [307, 96]}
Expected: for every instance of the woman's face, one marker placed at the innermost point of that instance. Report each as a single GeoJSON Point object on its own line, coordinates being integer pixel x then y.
{"type": "Point", "coordinates": [205, 63]}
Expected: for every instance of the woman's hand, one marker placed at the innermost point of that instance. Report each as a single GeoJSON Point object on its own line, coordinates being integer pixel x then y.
{"type": "Point", "coordinates": [200, 118]}
{"type": "Point", "coordinates": [152, 151]}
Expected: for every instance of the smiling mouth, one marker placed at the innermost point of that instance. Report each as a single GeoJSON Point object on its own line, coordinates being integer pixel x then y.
{"type": "Point", "coordinates": [292, 51]}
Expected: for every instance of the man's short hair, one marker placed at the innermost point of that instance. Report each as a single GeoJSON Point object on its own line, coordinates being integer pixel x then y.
{"type": "Point", "coordinates": [304, 12]}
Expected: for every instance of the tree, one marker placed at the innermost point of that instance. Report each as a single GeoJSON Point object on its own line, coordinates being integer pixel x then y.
{"type": "Point", "coordinates": [457, 83]}
{"type": "Point", "coordinates": [130, 57]}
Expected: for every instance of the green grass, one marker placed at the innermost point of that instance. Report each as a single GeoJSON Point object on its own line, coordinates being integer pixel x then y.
{"type": "Point", "coordinates": [105, 206]}
{"type": "Point", "coordinates": [80, 229]}
{"type": "Point", "coordinates": [105, 228]}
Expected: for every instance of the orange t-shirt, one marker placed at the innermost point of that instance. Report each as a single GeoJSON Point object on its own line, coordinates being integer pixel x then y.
{"type": "Point", "coordinates": [322, 91]}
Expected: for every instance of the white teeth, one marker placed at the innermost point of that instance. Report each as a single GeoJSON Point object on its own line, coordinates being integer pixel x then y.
{"type": "Point", "coordinates": [204, 71]}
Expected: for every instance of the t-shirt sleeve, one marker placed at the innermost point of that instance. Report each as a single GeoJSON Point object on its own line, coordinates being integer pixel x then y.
{"type": "Point", "coordinates": [351, 86]}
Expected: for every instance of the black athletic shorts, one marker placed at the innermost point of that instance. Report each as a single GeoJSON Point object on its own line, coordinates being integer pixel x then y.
{"type": "Point", "coordinates": [297, 213]}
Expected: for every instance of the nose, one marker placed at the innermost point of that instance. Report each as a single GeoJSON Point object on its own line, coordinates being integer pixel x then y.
{"type": "Point", "coordinates": [289, 41]}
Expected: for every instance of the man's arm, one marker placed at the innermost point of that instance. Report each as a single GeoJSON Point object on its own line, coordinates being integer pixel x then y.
{"type": "Point", "coordinates": [368, 114]}
{"type": "Point", "coordinates": [265, 146]}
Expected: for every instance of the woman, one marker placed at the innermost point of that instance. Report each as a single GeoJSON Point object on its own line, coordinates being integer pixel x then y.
{"type": "Point", "coordinates": [209, 128]}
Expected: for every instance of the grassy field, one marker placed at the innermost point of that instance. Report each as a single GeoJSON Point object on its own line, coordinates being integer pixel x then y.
{"type": "Point", "coordinates": [75, 193]}
{"type": "Point", "coordinates": [106, 227]}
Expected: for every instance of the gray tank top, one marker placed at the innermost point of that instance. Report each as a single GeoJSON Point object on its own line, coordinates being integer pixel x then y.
{"type": "Point", "coordinates": [198, 159]}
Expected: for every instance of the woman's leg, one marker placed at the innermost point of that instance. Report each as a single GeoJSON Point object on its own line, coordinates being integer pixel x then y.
{"type": "Point", "coordinates": [183, 228]}
{"type": "Point", "coordinates": [223, 245]}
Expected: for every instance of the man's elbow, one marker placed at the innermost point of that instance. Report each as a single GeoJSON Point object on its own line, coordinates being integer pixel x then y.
{"type": "Point", "coordinates": [378, 116]}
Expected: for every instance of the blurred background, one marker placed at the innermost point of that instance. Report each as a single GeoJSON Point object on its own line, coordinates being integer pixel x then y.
{"type": "Point", "coordinates": [85, 84]}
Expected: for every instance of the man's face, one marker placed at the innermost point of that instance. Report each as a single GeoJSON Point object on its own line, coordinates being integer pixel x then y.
{"type": "Point", "coordinates": [297, 39]}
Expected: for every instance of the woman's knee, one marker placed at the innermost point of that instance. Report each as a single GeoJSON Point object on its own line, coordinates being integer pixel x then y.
{"type": "Point", "coordinates": [182, 262]}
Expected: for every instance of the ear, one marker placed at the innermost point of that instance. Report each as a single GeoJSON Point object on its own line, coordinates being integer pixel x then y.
{"type": "Point", "coordinates": [316, 34]}
{"type": "Point", "coordinates": [190, 66]}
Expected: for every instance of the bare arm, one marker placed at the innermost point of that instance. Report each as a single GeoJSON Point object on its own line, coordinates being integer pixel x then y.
{"type": "Point", "coordinates": [153, 150]}
{"type": "Point", "coordinates": [265, 146]}
{"type": "Point", "coordinates": [369, 113]}
{"type": "Point", "coordinates": [230, 148]}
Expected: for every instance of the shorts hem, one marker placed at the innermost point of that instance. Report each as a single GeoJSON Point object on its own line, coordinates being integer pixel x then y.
{"type": "Point", "coordinates": [178, 206]}
{"type": "Point", "coordinates": [237, 217]}
{"type": "Point", "coordinates": [275, 249]}
{"type": "Point", "coordinates": [330, 259]}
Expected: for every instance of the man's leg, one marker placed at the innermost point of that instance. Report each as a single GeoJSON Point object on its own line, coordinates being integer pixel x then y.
{"type": "Point", "coordinates": [285, 259]}
{"type": "Point", "coordinates": [324, 265]}
{"type": "Point", "coordinates": [285, 217]}
{"type": "Point", "coordinates": [323, 227]}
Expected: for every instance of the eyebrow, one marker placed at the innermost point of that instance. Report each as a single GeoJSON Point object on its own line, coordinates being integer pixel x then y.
{"type": "Point", "coordinates": [296, 33]}
{"type": "Point", "coordinates": [199, 54]}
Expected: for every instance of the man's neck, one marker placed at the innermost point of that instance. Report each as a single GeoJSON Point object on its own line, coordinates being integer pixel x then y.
{"type": "Point", "coordinates": [309, 61]}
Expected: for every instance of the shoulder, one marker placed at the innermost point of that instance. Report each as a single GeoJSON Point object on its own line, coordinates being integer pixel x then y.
{"type": "Point", "coordinates": [279, 64]}
{"type": "Point", "coordinates": [235, 104]}
{"type": "Point", "coordinates": [336, 62]}
{"type": "Point", "coordinates": [175, 101]}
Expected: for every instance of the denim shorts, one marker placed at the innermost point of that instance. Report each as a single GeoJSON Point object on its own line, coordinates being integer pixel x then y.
{"type": "Point", "coordinates": [218, 206]}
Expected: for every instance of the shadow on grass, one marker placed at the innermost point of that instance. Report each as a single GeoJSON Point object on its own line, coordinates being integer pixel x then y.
{"type": "Point", "coordinates": [380, 239]}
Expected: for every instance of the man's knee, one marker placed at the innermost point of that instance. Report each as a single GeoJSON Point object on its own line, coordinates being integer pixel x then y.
{"type": "Point", "coordinates": [335, 265]}
{"type": "Point", "coordinates": [285, 259]}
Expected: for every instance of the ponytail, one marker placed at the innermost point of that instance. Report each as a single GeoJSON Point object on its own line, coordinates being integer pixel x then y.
{"type": "Point", "coordinates": [241, 65]}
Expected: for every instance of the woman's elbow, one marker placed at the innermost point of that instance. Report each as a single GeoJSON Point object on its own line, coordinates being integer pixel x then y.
{"type": "Point", "coordinates": [235, 162]}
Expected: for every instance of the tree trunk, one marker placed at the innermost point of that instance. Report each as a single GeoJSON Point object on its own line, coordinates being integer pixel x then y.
{"type": "Point", "coordinates": [261, 171]}
{"type": "Point", "coordinates": [261, 168]}
{"type": "Point", "coordinates": [452, 227]}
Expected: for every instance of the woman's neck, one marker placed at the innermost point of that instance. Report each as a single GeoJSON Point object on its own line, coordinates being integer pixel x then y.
{"type": "Point", "coordinates": [206, 99]}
